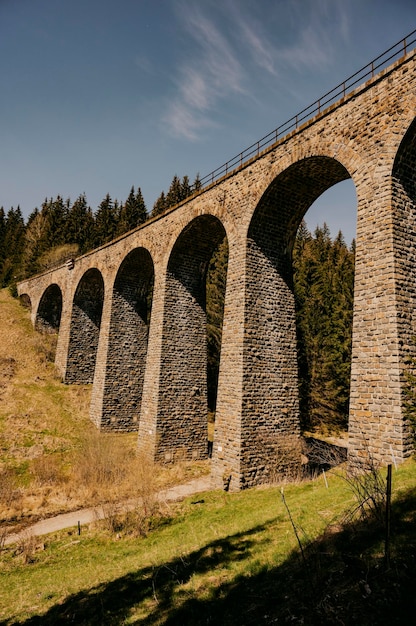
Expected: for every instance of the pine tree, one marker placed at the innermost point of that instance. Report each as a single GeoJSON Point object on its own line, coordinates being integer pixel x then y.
{"type": "Point", "coordinates": [105, 224]}
{"type": "Point", "coordinates": [34, 242]}
{"type": "Point", "coordinates": [323, 280]}
{"type": "Point", "coordinates": [2, 231]}
{"type": "Point", "coordinates": [80, 225]}
{"type": "Point", "coordinates": [186, 190]}
{"type": "Point", "coordinates": [197, 185]}
{"type": "Point", "coordinates": [215, 295]}
{"type": "Point", "coordinates": [160, 205]}
{"type": "Point", "coordinates": [174, 195]}
{"type": "Point", "coordinates": [13, 242]}
{"type": "Point", "coordinates": [132, 213]}
{"type": "Point", "coordinates": [55, 213]}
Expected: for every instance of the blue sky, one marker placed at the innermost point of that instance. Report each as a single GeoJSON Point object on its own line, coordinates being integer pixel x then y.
{"type": "Point", "coordinates": [100, 95]}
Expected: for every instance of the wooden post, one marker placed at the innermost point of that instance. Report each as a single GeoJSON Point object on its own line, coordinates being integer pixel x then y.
{"type": "Point", "coordinates": [388, 510]}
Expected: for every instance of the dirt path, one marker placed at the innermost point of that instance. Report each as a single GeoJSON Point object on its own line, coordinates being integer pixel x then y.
{"type": "Point", "coordinates": [86, 516]}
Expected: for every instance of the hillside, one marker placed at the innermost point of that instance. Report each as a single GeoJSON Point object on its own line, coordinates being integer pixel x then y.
{"type": "Point", "coordinates": [229, 559]}
{"type": "Point", "coordinates": [311, 552]}
{"type": "Point", "coordinates": [52, 459]}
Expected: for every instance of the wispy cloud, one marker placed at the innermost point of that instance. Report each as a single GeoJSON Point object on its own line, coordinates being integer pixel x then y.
{"type": "Point", "coordinates": [234, 44]}
{"type": "Point", "coordinates": [214, 72]}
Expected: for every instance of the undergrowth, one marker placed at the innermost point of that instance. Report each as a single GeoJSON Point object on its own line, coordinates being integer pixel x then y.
{"type": "Point", "coordinates": [228, 559]}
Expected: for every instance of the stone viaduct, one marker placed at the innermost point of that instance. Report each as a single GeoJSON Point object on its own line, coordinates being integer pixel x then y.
{"type": "Point", "coordinates": [131, 314]}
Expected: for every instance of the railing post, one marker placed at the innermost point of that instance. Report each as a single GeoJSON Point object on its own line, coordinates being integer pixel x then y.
{"type": "Point", "coordinates": [368, 70]}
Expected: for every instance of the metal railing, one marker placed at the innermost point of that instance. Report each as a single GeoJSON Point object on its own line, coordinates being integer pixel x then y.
{"type": "Point", "coordinates": [340, 91]}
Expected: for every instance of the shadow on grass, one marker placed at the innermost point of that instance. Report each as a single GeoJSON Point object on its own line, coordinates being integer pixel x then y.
{"type": "Point", "coordinates": [342, 579]}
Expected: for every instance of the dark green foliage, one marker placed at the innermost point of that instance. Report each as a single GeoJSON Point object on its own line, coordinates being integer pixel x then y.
{"type": "Point", "coordinates": [133, 212]}
{"type": "Point", "coordinates": [178, 191]}
{"type": "Point", "coordinates": [12, 230]}
{"type": "Point", "coordinates": [197, 185]}
{"type": "Point", "coordinates": [160, 205]}
{"type": "Point", "coordinates": [80, 224]}
{"type": "Point", "coordinates": [106, 220]}
{"type": "Point", "coordinates": [2, 236]}
{"type": "Point", "coordinates": [323, 282]}
{"type": "Point", "coordinates": [215, 288]}
{"type": "Point", "coordinates": [174, 195]}
{"type": "Point", "coordinates": [55, 213]}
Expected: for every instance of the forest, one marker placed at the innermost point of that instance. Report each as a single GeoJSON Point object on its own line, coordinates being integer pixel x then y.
{"type": "Point", "coordinates": [323, 275]}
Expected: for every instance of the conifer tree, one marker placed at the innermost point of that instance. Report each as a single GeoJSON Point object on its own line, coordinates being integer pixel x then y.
{"type": "Point", "coordinates": [132, 213]}
{"type": "Point", "coordinates": [215, 295]}
{"type": "Point", "coordinates": [34, 242]}
{"type": "Point", "coordinates": [105, 226]}
{"type": "Point", "coordinates": [185, 188]}
{"type": "Point", "coordinates": [13, 242]}
{"type": "Point", "coordinates": [174, 195]}
{"type": "Point", "coordinates": [55, 213]}
{"type": "Point", "coordinates": [197, 185]}
{"type": "Point", "coordinates": [80, 224]}
{"type": "Point", "coordinates": [323, 280]}
{"type": "Point", "coordinates": [2, 232]}
{"type": "Point", "coordinates": [160, 205]}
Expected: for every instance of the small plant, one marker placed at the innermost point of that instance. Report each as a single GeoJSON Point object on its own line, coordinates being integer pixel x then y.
{"type": "Point", "coordinates": [281, 457]}
{"type": "Point", "coordinates": [369, 489]}
{"type": "Point", "coordinates": [47, 470]}
{"type": "Point", "coordinates": [7, 487]}
{"type": "Point", "coordinates": [26, 547]}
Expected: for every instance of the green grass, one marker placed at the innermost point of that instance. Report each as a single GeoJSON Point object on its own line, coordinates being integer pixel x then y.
{"type": "Point", "coordinates": [222, 559]}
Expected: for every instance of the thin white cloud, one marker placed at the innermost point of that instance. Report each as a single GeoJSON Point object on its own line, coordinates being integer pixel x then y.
{"type": "Point", "coordinates": [234, 44]}
{"type": "Point", "coordinates": [212, 74]}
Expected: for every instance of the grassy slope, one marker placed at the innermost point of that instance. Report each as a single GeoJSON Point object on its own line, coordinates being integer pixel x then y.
{"type": "Point", "coordinates": [42, 421]}
{"type": "Point", "coordinates": [35, 408]}
{"type": "Point", "coordinates": [225, 559]}
{"type": "Point", "coordinates": [219, 559]}
{"type": "Point", "coordinates": [51, 457]}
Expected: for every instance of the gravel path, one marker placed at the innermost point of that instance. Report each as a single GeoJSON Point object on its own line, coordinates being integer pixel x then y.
{"type": "Point", "coordinates": [86, 516]}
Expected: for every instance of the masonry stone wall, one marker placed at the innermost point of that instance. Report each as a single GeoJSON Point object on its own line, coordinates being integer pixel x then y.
{"type": "Point", "coordinates": [127, 344]}
{"type": "Point", "coordinates": [150, 367]}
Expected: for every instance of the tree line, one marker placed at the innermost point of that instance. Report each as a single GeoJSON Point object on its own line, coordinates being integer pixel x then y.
{"type": "Point", "coordinates": [60, 228]}
{"type": "Point", "coordinates": [323, 273]}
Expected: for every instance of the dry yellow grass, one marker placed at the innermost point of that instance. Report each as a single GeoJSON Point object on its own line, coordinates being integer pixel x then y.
{"type": "Point", "coordinates": [52, 459]}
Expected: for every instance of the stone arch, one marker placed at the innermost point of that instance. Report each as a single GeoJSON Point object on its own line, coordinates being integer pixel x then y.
{"type": "Point", "coordinates": [48, 315]}
{"type": "Point", "coordinates": [183, 401]}
{"type": "Point", "coordinates": [87, 309]}
{"type": "Point", "coordinates": [270, 387]}
{"type": "Point", "coordinates": [127, 350]}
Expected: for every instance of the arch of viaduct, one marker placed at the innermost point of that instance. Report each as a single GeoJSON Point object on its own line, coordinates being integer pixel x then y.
{"type": "Point", "coordinates": [146, 356]}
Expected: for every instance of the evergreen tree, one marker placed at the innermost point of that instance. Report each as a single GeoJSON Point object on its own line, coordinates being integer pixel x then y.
{"type": "Point", "coordinates": [55, 213]}
{"type": "Point", "coordinates": [160, 205]}
{"type": "Point", "coordinates": [186, 190]}
{"type": "Point", "coordinates": [174, 195]}
{"type": "Point", "coordinates": [2, 234]}
{"type": "Point", "coordinates": [13, 242]}
{"type": "Point", "coordinates": [323, 281]}
{"type": "Point", "coordinates": [197, 185]}
{"type": "Point", "coordinates": [106, 218]}
{"type": "Point", "coordinates": [215, 295]}
{"type": "Point", "coordinates": [132, 213]}
{"type": "Point", "coordinates": [80, 225]}
{"type": "Point", "coordinates": [34, 242]}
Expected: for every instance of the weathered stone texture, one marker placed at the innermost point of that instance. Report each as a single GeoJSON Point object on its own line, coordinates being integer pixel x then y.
{"type": "Point", "coordinates": [150, 370]}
